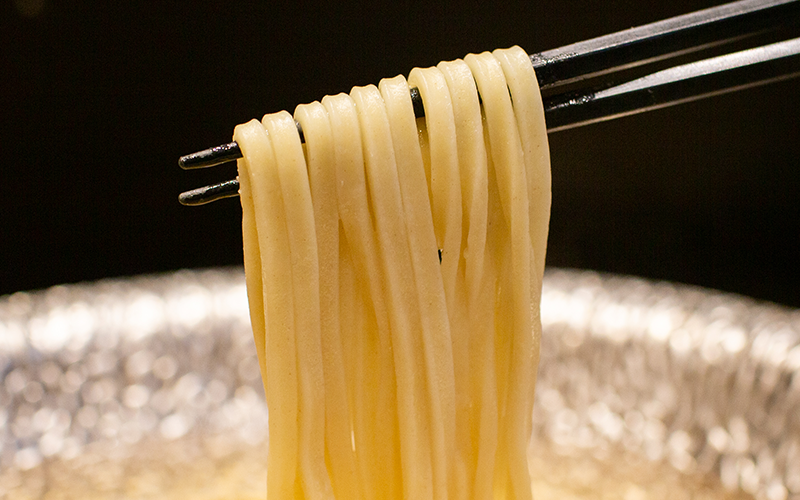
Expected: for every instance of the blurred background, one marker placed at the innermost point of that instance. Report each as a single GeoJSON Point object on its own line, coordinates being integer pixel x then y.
{"type": "Point", "coordinates": [99, 99]}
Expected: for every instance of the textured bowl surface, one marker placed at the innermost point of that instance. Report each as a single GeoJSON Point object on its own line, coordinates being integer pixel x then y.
{"type": "Point", "coordinates": [149, 386]}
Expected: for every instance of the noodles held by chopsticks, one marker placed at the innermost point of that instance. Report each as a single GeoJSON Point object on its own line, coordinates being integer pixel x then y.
{"type": "Point", "coordinates": [394, 271]}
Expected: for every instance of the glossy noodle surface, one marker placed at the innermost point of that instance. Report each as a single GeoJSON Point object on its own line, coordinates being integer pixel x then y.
{"type": "Point", "coordinates": [394, 270]}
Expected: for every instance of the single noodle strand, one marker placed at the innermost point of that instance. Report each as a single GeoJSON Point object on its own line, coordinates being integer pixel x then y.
{"type": "Point", "coordinates": [281, 359]}
{"type": "Point", "coordinates": [375, 425]}
{"type": "Point", "coordinates": [304, 263]}
{"type": "Point", "coordinates": [435, 325]}
{"type": "Point", "coordinates": [404, 321]}
{"type": "Point", "coordinates": [252, 261]}
{"type": "Point", "coordinates": [472, 351]}
{"type": "Point", "coordinates": [512, 183]}
{"type": "Point", "coordinates": [340, 456]}
{"type": "Point", "coordinates": [442, 155]}
{"type": "Point", "coordinates": [529, 111]}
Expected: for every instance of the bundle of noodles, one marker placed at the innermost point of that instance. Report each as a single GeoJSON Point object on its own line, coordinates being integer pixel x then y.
{"type": "Point", "coordinates": [394, 269]}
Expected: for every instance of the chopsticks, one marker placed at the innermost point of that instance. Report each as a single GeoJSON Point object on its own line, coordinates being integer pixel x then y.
{"type": "Point", "coordinates": [595, 61]}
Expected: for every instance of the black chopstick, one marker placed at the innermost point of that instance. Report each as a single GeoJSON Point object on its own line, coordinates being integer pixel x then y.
{"type": "Point", "coordinates": [610, 53]}
{"type": "Point", "coordinates": [662, 40]}
{"type": "Point", "coordinates": [689, 82]}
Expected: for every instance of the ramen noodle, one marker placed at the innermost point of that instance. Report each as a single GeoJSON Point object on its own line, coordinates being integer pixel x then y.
{"type": "Point", "coordinates": [394, 269]}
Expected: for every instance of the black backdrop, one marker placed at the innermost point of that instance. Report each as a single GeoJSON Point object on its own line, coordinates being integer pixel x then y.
{"type": "Point", "coordinates": [100, 98]}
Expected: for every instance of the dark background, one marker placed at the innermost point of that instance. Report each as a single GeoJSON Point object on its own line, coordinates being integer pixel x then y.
{"type": "Point", "coordinates": [100, 98]}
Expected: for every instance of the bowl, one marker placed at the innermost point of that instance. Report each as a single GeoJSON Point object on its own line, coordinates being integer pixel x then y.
{"type": "Point", "coordinates": [149, 387]}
